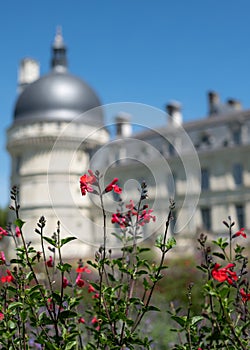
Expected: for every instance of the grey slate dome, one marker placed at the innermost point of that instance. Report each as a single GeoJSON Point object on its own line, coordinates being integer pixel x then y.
{"type": "Point", "coordinates": [58, 95]}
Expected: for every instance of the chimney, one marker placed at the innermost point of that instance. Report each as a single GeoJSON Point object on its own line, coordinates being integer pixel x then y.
{"type": "Point", "coordinates": [123, 125]}
{"type": "Point", "coordinates": [234, 104]}
{"type": "Point", "coordinates": [29, 71]}
{"type": "Point", "coordinates": [213, 103]}
{"type": "Point", "coordinates": [173, 109]}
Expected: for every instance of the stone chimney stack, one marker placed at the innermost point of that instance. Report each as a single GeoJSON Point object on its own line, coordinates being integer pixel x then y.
{"type": "Point", "coordinates": [234, 104]}
{"type": "Point", "coordinates": [173, 109]}
{"type": "Point", "coordinates": [213, 103]}
{"type": "Point", "coordinates": [123, 125]}
{"type": "Point", "coordinates": [29, 71]}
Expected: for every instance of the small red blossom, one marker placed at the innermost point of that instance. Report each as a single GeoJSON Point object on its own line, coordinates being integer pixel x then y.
{"type": "Point", "coordinates": [18, 232]}
{"type": "Point", "coordinates": [245, 296]}
{"type": "Point", "coordinates": [119, 219]}
{"type": "Point", "coordinates": [3, 233]}
{"type": "Point", "coordinates": [81, 320]}
{"type": "Point", "coordinates": [8, 278]}
{"type": "Point", "coordinates": [91, 289]}
{"type": "Point", "coordinates": [95, 296]}
{"type": "Point", "coordinates": [65, 282]}
{"type": "Point", "coordinates": [131, 207]}
{"type": "Point", "coordinates": [145, 217]}
{"type": "Point", "coordinates": [50, 304]}
{"type": "Point", "coordinates": [86, 181]}
{"type": "Point", "coordinates": [94, 320]}
{"type": "Point", "coordinates": [81, 269]}
{"type": "Point", "coordinates": [113, 186]}
{"type": "Point", "coordinates": [50, 262]}
{"type": "Point", "coordinates": [241, 232]}
{"type": "Point", "coordinates": [79, 281]}
{"type": "Point", "coordinates": [1, 316]}
{"type": "Point", "coordinates": [223, 274]}
{"type": "Point", "coordinates": [2, 258]}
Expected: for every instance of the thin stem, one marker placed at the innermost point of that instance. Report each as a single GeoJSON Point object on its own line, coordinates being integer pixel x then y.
{"type": "Point", "coordinates": [164, 251]}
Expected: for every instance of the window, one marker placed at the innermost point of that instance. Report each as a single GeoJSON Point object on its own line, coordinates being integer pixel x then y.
{"type": "Point", "coordinates": [206, 218]}
{"type": "Point", "coordinates": [237, 136]}
{"type": "Point", "coordinates": [238, 174]}
{"type": "Point", "coordinates": [204, 179]}
{"type": "Point", "coordinates": [240, 213]}
{"type": "Point", "coordinates": [18, 164]}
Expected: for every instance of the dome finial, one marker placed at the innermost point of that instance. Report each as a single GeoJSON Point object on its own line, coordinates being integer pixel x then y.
{"type": "Point", "coordinates": [59, 59]}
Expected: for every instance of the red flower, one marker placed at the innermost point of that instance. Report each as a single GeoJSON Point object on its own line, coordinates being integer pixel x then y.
{"type": "Point", "coordinates": [95, 296]}
{"type": "Point", "coordinates": [91, 289]}
{"type": "Point", "coordinates": [3, 233]}
{"type": "Point", "coordinates": [79, 281]}
{"type": "Point", "coordinates": [86, 181]}
{"type": "Point", "coordinates": [50, 304]}
{"type": "Point", "coordinates": [224, 273]}
{"type": "Point", "coordinates": [81, 269]}
{"type": "Point", "coordinates": [2, 258]}
{"type": "Point", "coordinates": [131, 207]}
{"type": "Point", "coordinates": [146, 216]}
{"type": "Point", "coordinates": [113, 186]}
{"type": "Point", "coordinates": [1, 316]}
{"type": "Point", "coordinates": [8, 278]}
{"type": "Point", "coordinates": [81, 320]}
{"type": "Point", "coordinates": [241, 232]}
{"type": "Point", "coordinates": [65, 282]}
{"type": "Point", "coordinates": [50, 262]}
{"type": "Point", "coordinates": [18, 232]}
{"type": "Point", "coordinates": [245, 296]}
{"type": "Point", "coordinates": [94, 320]}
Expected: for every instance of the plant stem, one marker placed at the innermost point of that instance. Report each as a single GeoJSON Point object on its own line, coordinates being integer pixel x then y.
{"type": "Point", "coordinates": [164, 251]}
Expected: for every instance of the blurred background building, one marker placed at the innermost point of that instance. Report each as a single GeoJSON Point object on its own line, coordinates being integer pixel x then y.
{"type": "Point", "coordinates": [58, 128]}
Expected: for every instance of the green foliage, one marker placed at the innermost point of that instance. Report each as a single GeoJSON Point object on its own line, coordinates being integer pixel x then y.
{"type": "Point", "coordinates": [124, 301]}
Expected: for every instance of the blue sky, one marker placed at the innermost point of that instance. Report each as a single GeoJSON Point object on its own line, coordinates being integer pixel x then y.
{"type": "Point", "coordinates": [131, 51]}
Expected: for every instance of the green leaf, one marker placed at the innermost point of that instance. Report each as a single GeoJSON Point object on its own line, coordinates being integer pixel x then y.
{"type": "Point", "coordinates": [67, 240]}
{"type": "Point", "coordinates": [196, 319]}
{"type": "Point", "coordinates": [71, 345]}
{"type": "Point", "coordinates": [111, 277]}
{"type": "Point", "coordinates": [171, 243]}
{"type": "Point", "coordinates": [219, 255]}
{"type": "Point", "coordinates": [67, 314]}
{"type": "Point", "coordinates": [118, 236]}
{"type": "Point", "coordinates": [14, 305]}
{"type": "Point", "coordinates": [180, 320]}
{"type": "Point", "coordinates": [152, 308]}
{"type": "Point", "coordinates": [64, 267]}
{"type": "Point", "coordinates": [19, 223]}
{"type": "Point", "coordinates": [50, 241]}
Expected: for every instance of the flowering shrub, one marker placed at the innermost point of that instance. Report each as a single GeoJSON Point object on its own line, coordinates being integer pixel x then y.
{"type": "Point", "coordinates": [101, 303]}
{"type": "Point", "coordinates": [224, 321]}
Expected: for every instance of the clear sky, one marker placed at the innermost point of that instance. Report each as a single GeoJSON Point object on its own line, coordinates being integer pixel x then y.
{"type": "Point", "coordinates": [135, 50]}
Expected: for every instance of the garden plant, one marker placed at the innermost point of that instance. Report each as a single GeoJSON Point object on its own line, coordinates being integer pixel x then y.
{"type": "Point", "coordinates": [102, 303]}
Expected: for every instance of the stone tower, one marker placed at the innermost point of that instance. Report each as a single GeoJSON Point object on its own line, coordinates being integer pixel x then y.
{"type": "Point", "coordinates": [57, 121]}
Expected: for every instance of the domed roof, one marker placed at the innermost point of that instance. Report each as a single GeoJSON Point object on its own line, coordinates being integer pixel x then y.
{"type": "Point", "coordinates": [58, 95]}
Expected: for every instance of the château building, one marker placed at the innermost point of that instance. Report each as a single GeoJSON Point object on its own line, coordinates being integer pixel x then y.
{"type": "Point", "coordinates": [58, 133]}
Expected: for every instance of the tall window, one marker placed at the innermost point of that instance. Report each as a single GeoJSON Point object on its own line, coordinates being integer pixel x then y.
{"type": "Point", "coordinates": [238, 174]}
{"type": "Point", "coordinates": [240, 212]}
{"type": "Point", "coordinates": [204, 179]}
{"type": "Point", "coordinates": [237, 136]}
{"type": "Point", "coordinates": [18, 164]}
{"type": "Point", "coordinates": [206, 218]}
